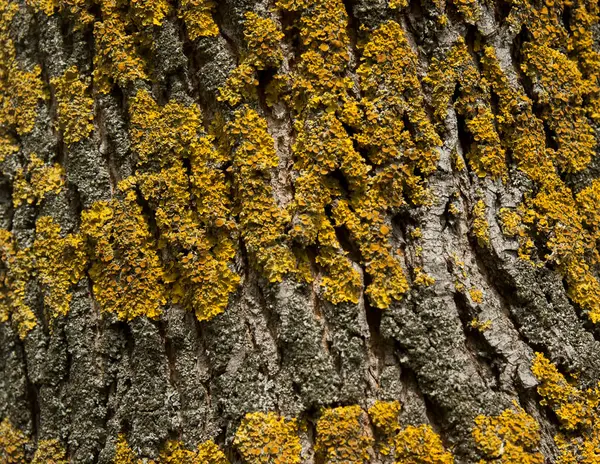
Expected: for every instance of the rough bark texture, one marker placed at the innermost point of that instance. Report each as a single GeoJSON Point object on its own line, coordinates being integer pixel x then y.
{"type": "Point", "coordinates": [88, 374]}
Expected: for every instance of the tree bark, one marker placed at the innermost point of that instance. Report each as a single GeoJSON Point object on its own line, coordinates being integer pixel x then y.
{"type": "Point", "coordinates": [457, 343]}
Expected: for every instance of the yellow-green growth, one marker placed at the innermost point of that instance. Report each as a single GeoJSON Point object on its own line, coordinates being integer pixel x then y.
{"type": "Point", "coordinates": [264, 438]}
{"type": "Point", "coordinates": [420, 445]}
{"type": "Point", "coordinates": [577, 410]}
{"type": "Point", "coordinates": [486, 155]}
{"type": "Point", "coordinates": [117, 59]}
{"type": "Point", "coordinates": [158, 133]}
{"type": "Point", "coordinates": [12, 443]}
{"type": "Point", "coordinates": [75, 106]}
{"type": "Point", "coordinates": [191, 211]}
{"type": "Point", "coordinates": [19, 97]}
{"type": "Point", "coordinates": [60, 263]}
{"type": "Point", "coordinates": [197, 16]}
{"type": "Point", "coordinates": [384, 416]}
{"type": "Point", "coordinates": [149, 12]}
{"type": "Point", "coordinates": [573, 407]}
{"type": "Point", "coordinates": [511, 437]}
{"type": "Point", "coordinates": [36, 181]}
{"type": "Point", "coordinates": [262, 222]}
{"type": "Point", "coordinates": [262, 39]}
{"type": "Point", "coordinates": [342, 436]}
{"type": "Point", "coordinates": [50, 452]}
{"type": "Point", "coordinates": [123, 453]}
{"type": "Point", "coordinates": [388, 77]}
{"type": "Point", "coordinates": [481, 228]}
{"type": "Point", "coordinates": [15, 271]}
{"type": "Point", "coordinates": [125, 271]}
{"type": "Point", "coordinates": [209, 453]}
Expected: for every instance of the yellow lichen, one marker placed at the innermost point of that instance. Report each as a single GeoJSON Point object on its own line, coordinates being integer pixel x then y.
{"type": "Point", "coordinates": [12, 443]}
{"type": "Point", "coordinates": [262, 222]}
{"type": "Point", "coordinates": [420, 445]}
{"type": "Point", "coordinates": [481, 228]}
{"type": "Point", "coordinates": [342, 437]}
{"type": "Point", "coordinates": [192, 209]}
{"type": "Point", "coordinates": [384, 416]}
{"type": "Point", "coordinates": [117, 59]}
{"type": "Point", "coordinates": [481, 326]}
{"type": "Point", "coordinates": [511, 437]}
{"type": "Point", "coordinates": [59, 262]}
{"type": "Point", "coordinates": [262, 39]}
{"type": "Point", "coordinates": [576, 409]}
{"type": "Point", "coordinates": [476, 295]}
{"type": "Point", "coordinates": [486, 155]}
{"type": "Point", "coordinates": [123, 453]}
{"type": "Point", "coordinates": [50, 452]}
{"type": "Point", "coordinates": [125, 269]}
{"type": "Point", "coordinates": [197, 15]}
{"type": "Point", "coordinates": [422, 278]}
{"type": "Point", "coordinates": [264, 438]}
{"type": "Point", "coordinates": [15, 272]}
{"type": "Point", "coordinates": [75, 107]}
{"type": "Point", "coordinates": [36, 181]}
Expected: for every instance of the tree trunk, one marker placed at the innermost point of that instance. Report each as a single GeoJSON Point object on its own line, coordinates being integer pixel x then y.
{"type": "Point", "coordinates": [310, 208]}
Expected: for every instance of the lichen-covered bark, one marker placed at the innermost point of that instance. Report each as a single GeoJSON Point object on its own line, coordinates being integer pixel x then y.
{"type": "Point", "coordinates": [314, 231]}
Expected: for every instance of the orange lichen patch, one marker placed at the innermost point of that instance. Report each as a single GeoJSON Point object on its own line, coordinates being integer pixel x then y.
{"type": "Point", "coordinates": [342, 436]}
{"type": "Point", "coordinates": [15, 271]}
{"type": "Point", "coordinates": [262, 39]}
{"type": "Point", "coordinates": [486, 155]}
{"type": "Point", "coordinates": [117, 59]}
{"type": "Point", "coordinates": [420, 445]}
{"type": "Point", "coordinates": [125, 269]}
{"type": "Point", "coordinates": [576, 409]}
{"type": "Point", "coordinates": [12, 443]}
{"type": "Point", "coordinates": [59, 262]}
{"type": "Point", "coordinates": [264, 438]}
{"type": "Point", "coordinates": [197, 16]}
{"type": "Point", "coordinates": [511, 437]}
{"type": "Point", "coordinates": [50, 452]}
{"type": "Point", "coordinates": [262, 222]}
{"type": "Point", "coordinates": [36, 181]}
{"type": "Point", "coordinates": [75, 107]}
